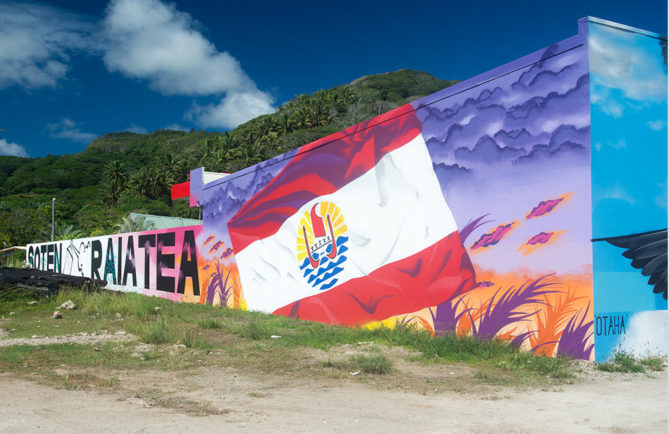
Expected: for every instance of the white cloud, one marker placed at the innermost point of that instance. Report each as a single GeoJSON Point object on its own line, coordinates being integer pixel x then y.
{"type": "Point", "coordinates": [153, 41]}
{"type": "Point", "coordinates": [234, 109]}
{"type": "Point", "coordinates": [620, 194]}
{"type": "Point", "coordinates": [8, 148]}
{"type": "Point", "coordinates": [657, 125]}
{"type": "Point", "coordinates": [136, 129]}
{"type": "Point", "coordinates": [176, 127]}
{"type": "Point", "coordinates": [146, 40]}
{"type": "Point", "coordinates": [620, 144]}
{"type": "Point", "coordinates": [67, 129]}
{"type": "Point", "coordinates": [661, 199]}
{"type": "Point", "coordinates": [612, 108]}
{"type": "Point", "coordinates": [36, 42]}
{"type": "Point", "coordinates": [618, 62]}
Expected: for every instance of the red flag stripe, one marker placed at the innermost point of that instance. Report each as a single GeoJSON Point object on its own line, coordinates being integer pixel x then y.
{"type": "Point", "coordinates": [426, 278]}
{"type": "Point", "coordinates": [321, 168]}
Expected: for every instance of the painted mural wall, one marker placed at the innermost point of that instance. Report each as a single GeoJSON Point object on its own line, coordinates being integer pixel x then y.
{"type": "Point", "coordinates": [468, 211]}
{"type": "Point", "coordinates": [628, 80]}
{"type": "Point", "coordinates": [163, 263]}
{"type": "Point", "coordinates": [493, 208]}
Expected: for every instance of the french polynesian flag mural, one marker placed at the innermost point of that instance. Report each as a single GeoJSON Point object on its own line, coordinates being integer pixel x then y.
{"type": "Point", "coordinates": [352, 231]}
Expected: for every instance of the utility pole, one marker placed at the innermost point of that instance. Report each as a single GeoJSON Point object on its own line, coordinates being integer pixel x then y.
{"type": "Point", "coordinates": [53, 215]}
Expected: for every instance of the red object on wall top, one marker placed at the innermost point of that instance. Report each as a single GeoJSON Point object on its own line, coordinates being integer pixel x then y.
{"type": "Point", "coordinates": [181, 191]}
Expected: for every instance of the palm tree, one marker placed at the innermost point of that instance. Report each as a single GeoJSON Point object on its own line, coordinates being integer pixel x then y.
{"type": "Point", "coordinates": [142, 182]}
{"type": "Point", "coordinates": [116, 179]}
{"type": "Point", "coordinates": [136, 224]}
{"type": "Point", "coordinates": [151, 182]}
{"type": "Point", "coordinates": [264, 125]}
{"type": "Point", "coordinates": [181, 170]}
{"type": "Point", "coordinates": [158, 184]}
{"type": "Point", "coordinates": [171, 167]}
{"type": "Point", "coordinates": [203, 152]}
{"type": "Point", "coordinates": [217, 160]}
{"type": "Point", "coordinates": [302, 118]}
{"type": "Point", "coordinates": [284, 124]}
{"type": "Point", "coordinates": [318, 107]}
{"type": "Point", "coordinates": [271, 138]}
{"type": "Point", "coordinates": [250, 138]}
{"type": "Point", "coordinates": [109, 196]}
{"type": "Point", "coordinates": [250, 156]}
{"type": "Point", "coordinates": [169, 162]}
{"type": "Point", "coordinates": [227, 141]}
{"type": "Point", "coordinates": [115, 173]}
{"type": "Point", "coordinates": [345, 94]}
{"type": "Point", "coordinates": [69, 232]}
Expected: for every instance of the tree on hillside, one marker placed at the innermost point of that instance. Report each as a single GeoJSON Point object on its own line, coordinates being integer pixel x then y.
{"type": "Point", "coordinates": [150, 181]}
{"type": "Point", "coordinates": [284, 124]}
{"type": "Point", "coordinates": [21, 226]}
{"type": "Point", "coordinates": [136, 224]}
{"type": "Point", "coordinates": [144, 166]}
{"type": "Point", "coordinates": [173, 168]}
{"type": "Point", "coordinates": [217, 160]}
{"type": "Point", "coordinates": [250, 156]}
{"type": "Point", "coordinates": [227, 141]}
{"type": "Point", "coordinates": [115, 182]}
{"type": "Point", "coordinates": [345, 95]}
{"type": "Point", "coordinates": [319, 108]}
{"type": "Point", "coordinates": [61, 233]}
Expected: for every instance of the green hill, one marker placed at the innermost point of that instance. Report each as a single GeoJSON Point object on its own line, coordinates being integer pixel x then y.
{"type": "Point", "coordinates": [126, 172]}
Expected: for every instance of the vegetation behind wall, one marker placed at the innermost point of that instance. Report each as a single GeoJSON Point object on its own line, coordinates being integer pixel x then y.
{"type": "Point", "coordinates": [125, 172]}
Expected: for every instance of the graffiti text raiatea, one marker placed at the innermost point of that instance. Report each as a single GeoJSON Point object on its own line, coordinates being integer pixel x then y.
{"type": "Point", "coordinates": [606, 325]}
{"type": "Point", "coordinates": [106, 262]}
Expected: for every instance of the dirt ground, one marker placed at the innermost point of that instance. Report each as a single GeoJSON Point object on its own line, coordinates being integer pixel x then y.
{"type": "Point", "coordinates": [226, 399]}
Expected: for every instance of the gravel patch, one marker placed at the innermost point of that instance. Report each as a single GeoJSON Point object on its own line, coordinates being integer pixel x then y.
{"type": "Point", "coordinates": [80, 338]}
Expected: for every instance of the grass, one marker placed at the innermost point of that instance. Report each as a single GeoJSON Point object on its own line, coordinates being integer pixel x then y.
{"type": "Point", "coordinates": [656, 364]}
{"type": "Point", "coordinates": [191, 339]}
{"type": "Point", "coordinates": [377, 364]}
{"type": "Point", "coordinates": [28, 357]}
{"type": "Point", "coordinates": [157, 398]}
{"type": "Point", "coordinates": [156, 332]}
{"type": "Point", "coordinates": [215, 336]}
{"type": "Point", "coordinates": [626, 363]}
{"type": "Point", "coordinates": [209, 323]}
{"type": "Point", "coordinates": [255, 330]}
{"type": "Point", "coordinates": [84, 380]}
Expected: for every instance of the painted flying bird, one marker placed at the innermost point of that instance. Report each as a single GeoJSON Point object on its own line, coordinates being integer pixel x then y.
{"type": "Point", "coordinates": [648, 252]}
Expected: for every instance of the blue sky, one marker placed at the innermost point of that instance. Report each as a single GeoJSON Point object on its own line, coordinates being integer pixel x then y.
{"type": "Point", "coordinates": [74, 70]}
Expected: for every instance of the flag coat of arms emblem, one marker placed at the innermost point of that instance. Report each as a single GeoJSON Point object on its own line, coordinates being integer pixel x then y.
{"type": "Point", "coordinates": [353, 229]}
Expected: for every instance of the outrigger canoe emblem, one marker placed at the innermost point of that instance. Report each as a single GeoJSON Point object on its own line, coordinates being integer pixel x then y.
{"type": "Point", "coordinates": [321, 244]}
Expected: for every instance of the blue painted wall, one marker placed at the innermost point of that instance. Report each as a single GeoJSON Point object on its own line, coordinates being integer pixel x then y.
{"type": "Point", "coordinates": [628, 95]}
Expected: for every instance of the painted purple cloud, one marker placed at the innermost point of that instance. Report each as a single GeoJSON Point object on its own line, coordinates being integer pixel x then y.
{"type": "Point", "coordinates": [487, 151]}
{"type": "Point", "coordinates": [448, 174]}
{"type": "Point", "coordinates": [520, 138]}
{"type": "Point", "coordinates": [539, 112]}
